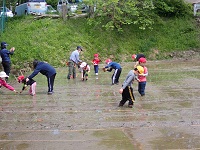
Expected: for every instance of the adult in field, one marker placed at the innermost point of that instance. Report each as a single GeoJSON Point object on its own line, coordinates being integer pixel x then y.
{"type": "Point", "coordinates": [73, 62]}
{"type": "Point", "coordinates": [45, 69]}
{"type": "Point", "coordinates": [5, 56]}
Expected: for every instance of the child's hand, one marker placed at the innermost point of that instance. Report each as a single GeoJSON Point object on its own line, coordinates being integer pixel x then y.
{"type": "Point", "coordinates": [121, 91]}
{"type": "Point", "coordinates": [138, 80]}
{"type": "Point", "coordinates": [12, 49]}
{"type": "Point", "coordinates": [27, 79]}
{"type": "Point", "coordinates": [15, 91]}
{"type": "Point", "coordinates": [104, 69]}
{"type": "Point", "coordinates": [142, 74]}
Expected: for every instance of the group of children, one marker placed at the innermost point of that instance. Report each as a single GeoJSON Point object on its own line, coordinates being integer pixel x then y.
{"type": "Point", "coordinates": [85, 68]}
{"type": "Point", "coordinates": [139, 73]}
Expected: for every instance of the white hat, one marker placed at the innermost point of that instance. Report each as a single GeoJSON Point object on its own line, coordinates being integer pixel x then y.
{"type": "Point", "coordinates": [3, 74]}
{"type": "Point", "coordinates": [83, 64]}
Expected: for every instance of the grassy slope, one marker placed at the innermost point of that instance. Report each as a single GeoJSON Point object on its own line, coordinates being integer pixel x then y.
{"type": "Point", "coordinates": [53, 40]}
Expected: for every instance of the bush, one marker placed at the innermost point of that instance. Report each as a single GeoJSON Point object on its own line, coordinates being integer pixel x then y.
{"type": "Point", "coordinates": [172, 8]}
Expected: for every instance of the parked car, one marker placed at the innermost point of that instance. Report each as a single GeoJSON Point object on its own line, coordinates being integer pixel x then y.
{"type": "Point", "coordinates": [25, 7]}
{"type": "Point", "coordinates": [73, 6]}
{"type": "Point", "coordinates": [7, 11]}
{"type": "Point", "coordinates": [50, 9]}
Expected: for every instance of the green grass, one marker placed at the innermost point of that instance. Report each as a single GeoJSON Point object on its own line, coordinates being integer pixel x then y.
{"type": "Point", "coordinates": [53, 40]}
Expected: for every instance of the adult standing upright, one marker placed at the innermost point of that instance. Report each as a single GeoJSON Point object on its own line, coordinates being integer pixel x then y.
{"type": "Point", "coordinates": [5, 55]}
{"type": "Point", "coordinates": [73, 62]}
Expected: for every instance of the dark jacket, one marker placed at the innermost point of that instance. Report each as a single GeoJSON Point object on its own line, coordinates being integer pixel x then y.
{"type": "Point", "coordinates": [113, 65]}
{"type": "Point", "coordinates": [44, 68]}
{"type": "Point", "coordinates": [5, 55]}
{"type": "Point", "coordinates": [138, 56]}
{"type": "Point", "coordinates": [30, 82]}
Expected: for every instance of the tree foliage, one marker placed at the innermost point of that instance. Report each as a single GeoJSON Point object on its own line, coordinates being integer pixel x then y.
{"type": "Point", "coordinates": [114, 14]}
{"type": "Point", "coordinates": [172, 8]}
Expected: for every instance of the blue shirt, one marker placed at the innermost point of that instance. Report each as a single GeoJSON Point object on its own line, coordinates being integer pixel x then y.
{"type": "Point", "coordinates": [75, 57]}
{"type": "Point", "coordinates": [113, 65]}
{"type": "Point", "coordinates": [5, 55]}
{"type": "Point", "coordinates": [44, 68]}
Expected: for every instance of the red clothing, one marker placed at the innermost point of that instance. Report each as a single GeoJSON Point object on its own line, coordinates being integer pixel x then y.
{"type": "Point", "coordinates": [96, 61]}
{"type": "Point", "coordinates": [142, 77]}
{"type": "Point", "coordinates": [3, 83]}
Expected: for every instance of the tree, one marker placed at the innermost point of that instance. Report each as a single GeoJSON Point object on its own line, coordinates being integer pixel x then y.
{"type": "Point", "coordinates": [117, 13]}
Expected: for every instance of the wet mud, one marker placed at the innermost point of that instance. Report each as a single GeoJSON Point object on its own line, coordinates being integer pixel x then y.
{"type": "Point", "coordinates": [85, 115]}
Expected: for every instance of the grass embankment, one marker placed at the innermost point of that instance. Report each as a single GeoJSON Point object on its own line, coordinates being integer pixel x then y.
{"type": "Point", "coordinates": [52, 40]}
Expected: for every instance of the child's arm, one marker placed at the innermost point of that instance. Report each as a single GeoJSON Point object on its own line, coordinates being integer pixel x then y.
{"type": "Point", "coordinates": [8, 87]}
{"type": "Point", "coordinates": [23, 88]}
{"type": "Point", "coordinates": [109, 69]}
{"type": "Point", "coordinates": [144, 74]}
{"type": "Point", "coordinates": [136, 77]}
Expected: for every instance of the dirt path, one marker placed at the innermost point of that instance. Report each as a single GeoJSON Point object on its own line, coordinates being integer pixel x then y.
{"type": "Point", "coordinates": [84, 115]}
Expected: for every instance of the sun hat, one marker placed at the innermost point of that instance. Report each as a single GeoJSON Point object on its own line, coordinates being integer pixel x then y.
{"type": "Point", "coordinates": [83, 64]}
{"type": "Point", "coordinates": [3, 74]}
{"type": "Point", "coordinates": [20, 78]}
{"type": "Point", "coordinates": [134, 56]}
{"type": "Point", "coordinates": [140, 69]}
{"type": "Point", "coordinates": [108, 61]}
{"type": "Point", "coordinates": [142, 60]}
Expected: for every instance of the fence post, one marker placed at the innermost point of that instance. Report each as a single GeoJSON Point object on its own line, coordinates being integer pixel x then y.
{"type": "Point", "coordinates": [3, 17]}
{"type": "Point", "coordinates": [64, 10]}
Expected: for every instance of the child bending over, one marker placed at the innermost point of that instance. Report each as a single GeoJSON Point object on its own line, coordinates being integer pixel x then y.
{"type": "Point", "coordinates": [3, 75]}
{"type": "Point", "coordinates": [85, 69]}
{"type": "Point", "coordinates": [30, 82]}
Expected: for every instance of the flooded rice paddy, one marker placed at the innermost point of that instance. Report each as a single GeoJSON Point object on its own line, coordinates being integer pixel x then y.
{"type": "Point", "coordinates": [86, 116]}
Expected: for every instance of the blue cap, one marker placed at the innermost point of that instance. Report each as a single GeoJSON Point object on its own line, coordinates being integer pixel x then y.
{"type": "Point", "coordinates": [3, 44]}
{"type": "Point", "coordinates": [79, 47]}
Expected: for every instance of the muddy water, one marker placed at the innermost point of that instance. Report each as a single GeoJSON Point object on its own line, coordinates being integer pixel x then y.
{"type": "Point", "coordinates": [84, 115]}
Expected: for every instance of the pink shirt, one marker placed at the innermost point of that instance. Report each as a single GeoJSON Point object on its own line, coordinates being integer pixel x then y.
{"type": "Point", "coordinates": [143, 78]}
{"type": "Point", "coordinates": [3, 83]}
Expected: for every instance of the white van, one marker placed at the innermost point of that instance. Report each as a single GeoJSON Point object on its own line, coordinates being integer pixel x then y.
{"type": "Point", "coordinates": [31, 7]}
